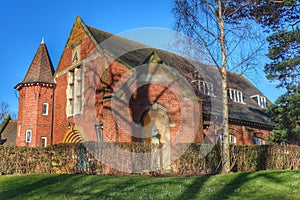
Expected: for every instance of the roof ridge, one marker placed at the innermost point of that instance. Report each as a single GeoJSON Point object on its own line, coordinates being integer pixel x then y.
{"type": "Point", "coordinates": [152, 48]}
{"type": "Point", "coordinates": [158, 51]}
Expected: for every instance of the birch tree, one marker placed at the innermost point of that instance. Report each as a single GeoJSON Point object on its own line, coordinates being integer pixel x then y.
{"type": "Point", "coordinates": [227, 37]}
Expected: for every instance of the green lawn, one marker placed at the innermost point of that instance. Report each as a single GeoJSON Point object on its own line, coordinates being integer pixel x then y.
{"type": "Point", "coordinates": [259, 185]}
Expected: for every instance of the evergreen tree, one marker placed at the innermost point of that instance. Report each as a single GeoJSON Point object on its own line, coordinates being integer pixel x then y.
{"type": "Point", "coordinates": [284, 67]}
{"type": "Point", "coordinates": [286, 114]}
{"type": "Point", "coordinates": [284, 52]}
{"type": "Point", "coordinates": [281, 20]}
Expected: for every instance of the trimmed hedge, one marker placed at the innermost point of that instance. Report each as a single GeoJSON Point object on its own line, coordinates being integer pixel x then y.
{"type": "Point", "coordinates": [74, 158]}
{"type": "Point", "coordinates": [27, 160]}
{"type": "Point", "coordinates": [265, 157]}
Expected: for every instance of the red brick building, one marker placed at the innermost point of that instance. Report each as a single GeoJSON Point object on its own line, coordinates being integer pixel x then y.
{"type": "Point", "coordinates": [93, 85]}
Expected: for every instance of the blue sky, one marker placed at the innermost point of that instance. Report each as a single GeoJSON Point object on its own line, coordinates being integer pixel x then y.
{"type": "Point", "coordinates": [24, 23]}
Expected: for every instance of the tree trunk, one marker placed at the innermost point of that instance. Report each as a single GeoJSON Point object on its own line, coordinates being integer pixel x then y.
{"type": "Point", "coordinates": [225, 145]}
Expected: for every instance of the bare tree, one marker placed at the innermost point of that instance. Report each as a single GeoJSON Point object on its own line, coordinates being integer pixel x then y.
{"type": "Point", "coordinates": [226, 39]}
{"type": "Point", "coordinates": [3, 110]}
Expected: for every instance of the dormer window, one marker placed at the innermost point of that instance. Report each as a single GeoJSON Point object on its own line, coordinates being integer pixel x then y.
{"type": "Point", "coordinates": [260, 100]}
{"type": "Point", "coordinates": [206, 88]}
{"type": "Point", "coordinates": [236, 96]}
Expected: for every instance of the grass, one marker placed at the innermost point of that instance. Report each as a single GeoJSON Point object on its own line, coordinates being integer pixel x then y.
{"type": "Point", "coordinates": [281, 185]}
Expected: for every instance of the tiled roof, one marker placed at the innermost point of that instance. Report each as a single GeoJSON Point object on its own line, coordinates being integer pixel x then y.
{"type": "Point", "coordinates": [8, 135]}
{"type": "Point", "coordinates": [41, 69]}
{"type": "Point", "coordinates": [247, 112]}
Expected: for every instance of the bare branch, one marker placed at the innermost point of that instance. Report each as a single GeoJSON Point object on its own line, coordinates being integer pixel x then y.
{"type": "Point", "coordinates": [250, 56]}
{"type": "Point", "coordinates": [3, 110]}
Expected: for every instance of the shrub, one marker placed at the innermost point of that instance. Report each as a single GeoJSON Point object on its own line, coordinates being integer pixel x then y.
{"type": "Point", "coordinates": [75, 158]}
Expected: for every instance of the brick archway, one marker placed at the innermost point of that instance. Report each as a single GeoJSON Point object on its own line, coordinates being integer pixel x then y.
{"type": "Point", "coordinates": [73, 136]}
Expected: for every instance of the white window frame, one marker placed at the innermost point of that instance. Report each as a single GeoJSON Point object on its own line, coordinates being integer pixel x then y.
{"type": "Point", "coordinates": [70, 90]}
{"type": "Point", "coordinates": [258, 141]}
{"type": "Point", "coordinates": [44, 138]}
{"type": "Point", "coordinates": [78, 90]}
{"type": "Point", "coordinates": [28, 139]}
{"type": "Point", "coordinates": [236, 96]}
{"type": "Point", "coordinates": [19, 131]}
{"type": "Point", "coordinates": [47, 109]}
{"type": "Point", "coordinates": [75, 91]}
{"type": "Point", "coordinates": [232, 139]}
{"type": "Point", "coordinates": [205, 88]}
{"type": "Point", "coordinates": [260, 100]}
{"type": "Point", "coordinates": [220, 138]}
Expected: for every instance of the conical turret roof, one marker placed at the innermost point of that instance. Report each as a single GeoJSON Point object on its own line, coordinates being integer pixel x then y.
{"type": "Point", "coordinates": [41, 68]}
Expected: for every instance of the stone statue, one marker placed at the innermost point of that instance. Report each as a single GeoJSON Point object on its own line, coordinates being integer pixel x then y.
{"type": "Point", "coordinates": [155, 135]}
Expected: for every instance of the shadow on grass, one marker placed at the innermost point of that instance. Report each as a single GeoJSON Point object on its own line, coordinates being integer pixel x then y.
{"type": "Point", "coordinates": [194, 188]}
{"type": "Point", "coordinates": [232, 187]}
{"type": "Point", "coordinates": [17, 192]}
{"type": "Point", "coordinates": [77, 186]}
{"type": "Point", "coordinates": [85, 187]}
{"type": "Point", "coordinates": [236, 183]}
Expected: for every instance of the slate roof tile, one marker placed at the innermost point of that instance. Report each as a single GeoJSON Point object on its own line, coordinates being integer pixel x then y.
{"type": "Point", "coordinates": [41, 68]}
{"type": "Point", "coordinates": [8, 135]}
{"type": "Point", "coordinates": [248, 112]}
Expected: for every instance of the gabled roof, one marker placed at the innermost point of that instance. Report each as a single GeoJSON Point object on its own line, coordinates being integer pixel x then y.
{"type": "Point", "coordinates": [4, 123]}
{"type": "Point", "coordinates": [248, 114]}
{"type": "Point", "coordinates": [41, 68]}
{"type": "Point", "coordinates": [8, 135]}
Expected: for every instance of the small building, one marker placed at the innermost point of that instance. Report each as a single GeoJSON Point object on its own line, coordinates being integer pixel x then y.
{"type": "Point", "coordinates": [8, 129]}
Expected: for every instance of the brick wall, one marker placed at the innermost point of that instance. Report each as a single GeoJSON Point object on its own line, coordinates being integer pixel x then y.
{"type": "Point", "coordinates": [244, 134]}
{"type": "Point", "coordinates": [77, 40]}
{"type": "Point", "coordinates": [123, 117]}
{"type": "Point", "coordinates": [180, 118]}
{"type": "Point", "coordinates": [31, 117]}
